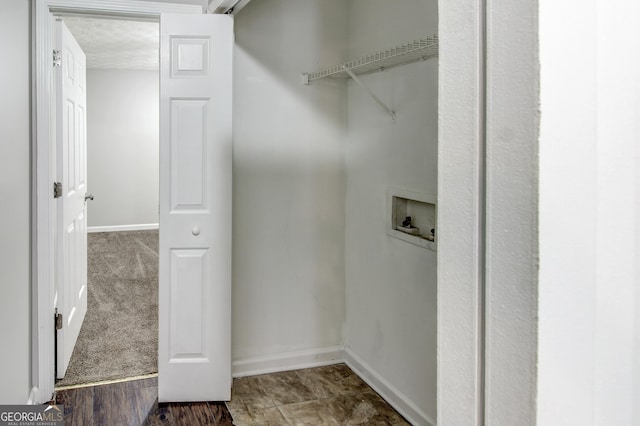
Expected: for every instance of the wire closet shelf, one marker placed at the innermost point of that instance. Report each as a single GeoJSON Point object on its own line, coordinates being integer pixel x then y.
{"type": "Point", "coordinates": [417, 50]}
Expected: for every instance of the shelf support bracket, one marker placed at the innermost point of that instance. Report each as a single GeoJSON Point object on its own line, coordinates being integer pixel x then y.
{"type": "Point", "coordinates": [373, 95]}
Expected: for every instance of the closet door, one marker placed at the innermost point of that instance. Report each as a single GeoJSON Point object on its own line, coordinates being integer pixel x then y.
{"type": "Point", "coordinates": [194, 362]}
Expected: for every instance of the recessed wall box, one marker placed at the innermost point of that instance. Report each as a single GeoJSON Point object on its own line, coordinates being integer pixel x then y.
{"type": "Point", "coordinates": [411, 217]}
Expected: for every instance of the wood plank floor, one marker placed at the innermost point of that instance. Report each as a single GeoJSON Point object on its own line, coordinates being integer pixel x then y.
{"type": "Point", "coordinates": [135, 403]}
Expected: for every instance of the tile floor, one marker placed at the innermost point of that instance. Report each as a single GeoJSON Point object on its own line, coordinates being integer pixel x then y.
{"type": "Point", "coordinates": [331, 395]}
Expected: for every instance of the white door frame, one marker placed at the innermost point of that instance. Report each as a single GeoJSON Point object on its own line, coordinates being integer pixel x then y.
{"type": "Point", "coordinates": [43, 110]}
{"type": "Point", "coordinates": [487, 212]}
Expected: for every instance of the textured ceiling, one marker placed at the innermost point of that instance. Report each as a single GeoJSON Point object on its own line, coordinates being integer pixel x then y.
{"type": "Point", "coordinates": [116, 44]}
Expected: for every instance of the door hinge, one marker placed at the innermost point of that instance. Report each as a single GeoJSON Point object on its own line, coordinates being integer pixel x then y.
{"type": "Point", "coordinates": [57, 58]}
{"type": "Point", "coordinates": [58, 320]}
{"type": "Point", "coordinates": [57, 189]}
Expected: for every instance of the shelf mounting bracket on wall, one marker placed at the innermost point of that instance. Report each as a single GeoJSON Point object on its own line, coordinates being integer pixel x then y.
{"type": "Point", "coordinates": [355, 78]}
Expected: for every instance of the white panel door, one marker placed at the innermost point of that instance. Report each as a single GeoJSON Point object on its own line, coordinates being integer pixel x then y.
{"type": "Point", "coordinates": [194, 362]}
{"type": "Point", "coordinates": [71, 168]}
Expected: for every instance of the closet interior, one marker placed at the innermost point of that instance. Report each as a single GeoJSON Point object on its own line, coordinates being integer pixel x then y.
{"type": "Point", "coordinates": [335, 192]}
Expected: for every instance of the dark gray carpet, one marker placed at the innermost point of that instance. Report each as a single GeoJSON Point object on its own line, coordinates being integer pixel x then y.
{"type": "Point", "coordinates": [119, 336]}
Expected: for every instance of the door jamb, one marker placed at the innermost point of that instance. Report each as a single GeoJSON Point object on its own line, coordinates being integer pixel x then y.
{"type": "Point", "coordinates": [44, 167]}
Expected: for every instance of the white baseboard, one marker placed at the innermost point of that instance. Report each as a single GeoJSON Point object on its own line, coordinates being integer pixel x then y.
{"type": "Point", "coordinates": [33, 397]}
{"type": "Point", "coordinates": [390, 394]}
{"type": "Point", "coordinates": [333, 355]}
{"type": "Point", "coordinates": [288, 361]}
{"type": "Point", "coordinates": [116, 228]}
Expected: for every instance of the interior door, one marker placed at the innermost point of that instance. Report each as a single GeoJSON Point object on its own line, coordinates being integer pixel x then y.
{"type": "Point", "coordinates": [194, 362]}
{"type": "Point", "coordinates": [71, 168]}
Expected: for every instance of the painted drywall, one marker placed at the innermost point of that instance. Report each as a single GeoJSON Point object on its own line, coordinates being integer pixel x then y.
{"type": "Point", "coordinates": [459, 223]}
{"type": "Point", "coordinates": [511, 252]}
{"type": "Point", "coordinates": [589, 297]}
{"type": "Point", "coordinates": [15, 233]}
{"type": "Point", "coordinates": [567, 271]}
{"type": "Point", "coordinates": [288, 204]}
{"type": "Point", "coordinates": [391, 294]}
{"type": "Point", "coordinates": [122, 147]}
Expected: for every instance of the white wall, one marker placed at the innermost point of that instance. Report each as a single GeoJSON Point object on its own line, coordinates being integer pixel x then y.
{"type": "Point", "coordinates": [511, 252]}
{"type": "Point", "coordinates": [585, 367]}
{"type": "Point", "coordinates": [15, 188]}
{"type": "Point", "coordinates": [288, 225]}
{"type": "Point", "coordinates": [391, 285]}
{"type": "Point", "coordinates": [589, 289]}
{"type": "Point", "coordinates": [122, 146]}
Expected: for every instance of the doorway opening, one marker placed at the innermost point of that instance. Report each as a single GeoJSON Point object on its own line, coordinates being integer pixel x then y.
{"type": "Point", "coordinates": [119, 334]}
{"type": "Point", "coordinates": [44, 166]}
